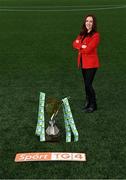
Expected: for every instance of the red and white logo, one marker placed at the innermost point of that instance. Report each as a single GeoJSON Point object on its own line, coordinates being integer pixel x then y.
{"type": "Point", "coordinates": [50, 156]}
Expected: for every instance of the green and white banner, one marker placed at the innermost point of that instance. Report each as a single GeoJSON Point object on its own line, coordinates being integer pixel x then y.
{"type": "Point", "coordinates": [69, 122]}
{"type": "Point", "coordinates": [40, 129]}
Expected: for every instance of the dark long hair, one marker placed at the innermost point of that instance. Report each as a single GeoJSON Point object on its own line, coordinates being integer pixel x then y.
{"type": "Point", "coordinates": [84, 29]}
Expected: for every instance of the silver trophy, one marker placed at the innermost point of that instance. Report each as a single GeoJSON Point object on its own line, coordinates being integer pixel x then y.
{"type": "Point", "coordinates": [52, 109]}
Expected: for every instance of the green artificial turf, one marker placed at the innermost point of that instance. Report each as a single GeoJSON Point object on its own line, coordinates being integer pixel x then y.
{"type": "Point", "coordinates": [36, 55]}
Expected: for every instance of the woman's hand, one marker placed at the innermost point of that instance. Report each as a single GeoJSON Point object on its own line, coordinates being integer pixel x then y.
{"type": "Point", "coordinates": [83, 46]}
{"type": "Point", "coordinates": [77, 41]}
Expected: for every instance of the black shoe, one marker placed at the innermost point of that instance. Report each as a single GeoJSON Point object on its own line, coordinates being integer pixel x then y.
{"type": "Point", "coordinates": [90, 109]}
{"type": "Point", "coordinates": [85, 107]}
{"type": "Point", "coordinates": [87, 104]}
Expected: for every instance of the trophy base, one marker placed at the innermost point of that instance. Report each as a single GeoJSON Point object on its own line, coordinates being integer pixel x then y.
{"type": "Point", "coordinates": [52, 138]}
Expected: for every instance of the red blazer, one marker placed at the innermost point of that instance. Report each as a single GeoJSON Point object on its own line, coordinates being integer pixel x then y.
{"type": "Point", "coordinates": [89, 54]}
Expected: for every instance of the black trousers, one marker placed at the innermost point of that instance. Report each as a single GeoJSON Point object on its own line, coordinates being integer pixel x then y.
{"type": "Point", "coordinates": [88, 76]}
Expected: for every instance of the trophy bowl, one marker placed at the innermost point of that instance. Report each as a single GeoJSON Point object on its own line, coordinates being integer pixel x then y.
{"type": "Point", "coordinates": [52, 109]}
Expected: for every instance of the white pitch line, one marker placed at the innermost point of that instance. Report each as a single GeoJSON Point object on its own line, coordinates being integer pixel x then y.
{"type": "Point", "coordinates": [62, 10]}
{"type": "Point", "coordinates": [52, 7]}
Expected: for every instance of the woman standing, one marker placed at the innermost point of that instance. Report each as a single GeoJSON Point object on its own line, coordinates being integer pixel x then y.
{"type": "Point", "coordinates": [86, 43]}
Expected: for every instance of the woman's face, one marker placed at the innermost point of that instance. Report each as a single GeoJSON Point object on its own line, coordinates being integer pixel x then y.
{"type": "Point", "coordinates": [89, 23]}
